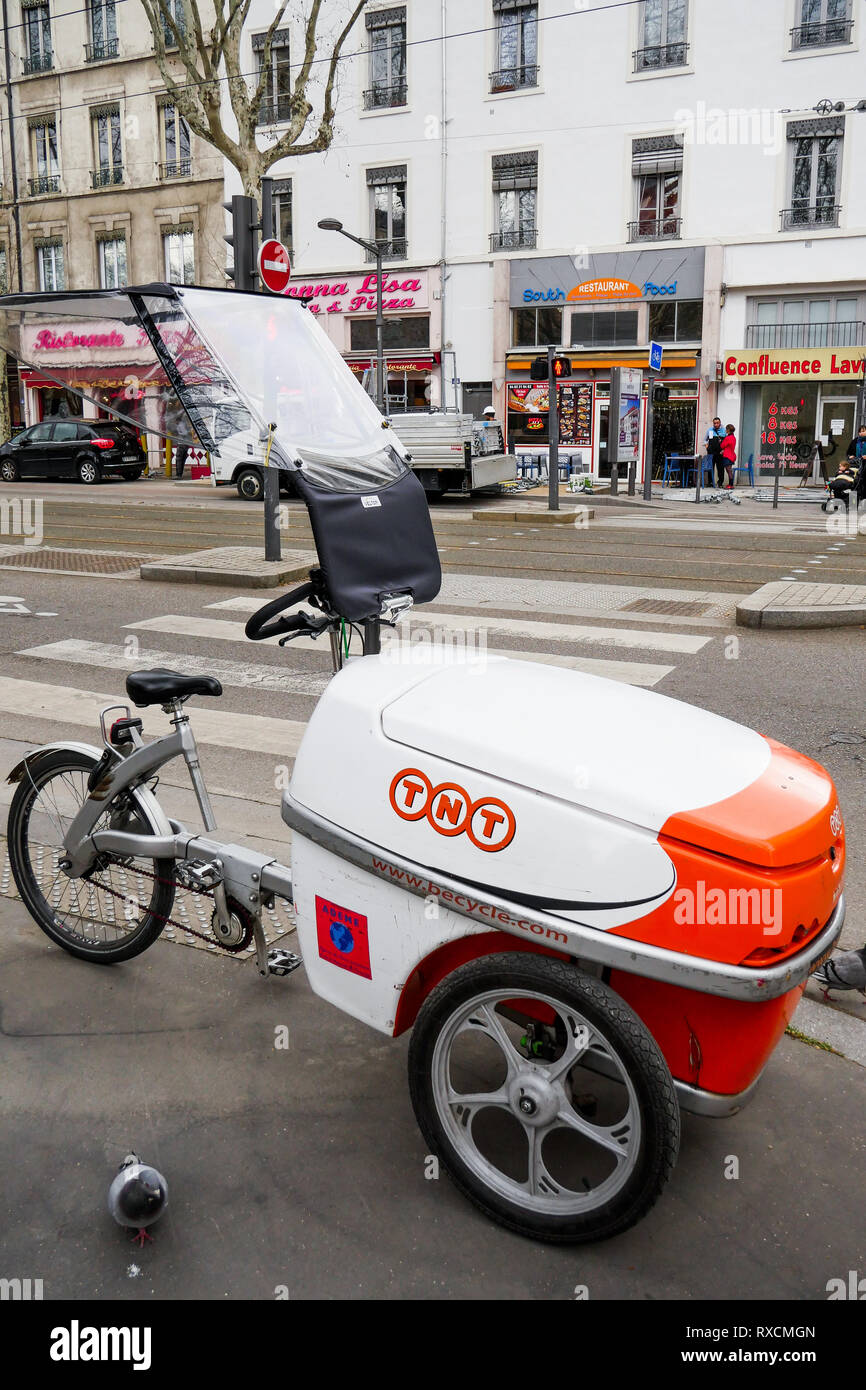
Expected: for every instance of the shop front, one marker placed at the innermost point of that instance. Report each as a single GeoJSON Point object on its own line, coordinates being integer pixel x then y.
{"type": "Point", "coordinates": [800, 408]}
{"type": "Point", "coordinates": [604, 311]}
{"type": "Point", "coordinates": [346, 308]}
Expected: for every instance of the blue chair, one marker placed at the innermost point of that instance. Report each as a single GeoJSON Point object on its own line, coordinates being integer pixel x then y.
{"type": "Point", "coordinates": [706, 468]}
{"type": "Point", "coordinates": [672, 465]}
{"type": "Point", "coordinates": [746, 468]}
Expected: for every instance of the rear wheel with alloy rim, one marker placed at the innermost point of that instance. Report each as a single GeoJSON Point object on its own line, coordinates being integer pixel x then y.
{"type": "Point", "coordinates": [544, 1096]}
{"type": "Point", "coordinates": [89, 471]}
{"type": "Point", "coordinates": [8, 470]}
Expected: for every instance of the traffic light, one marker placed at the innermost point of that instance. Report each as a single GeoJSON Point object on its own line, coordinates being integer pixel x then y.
{"type": "Point", "coordinates": [561, 366]}
{"type": "Point", "coordinates": [660, 395]}
{"type": "Point", "coordinates": [245, 224]}
{"type": "Point", "coordinates": [538, 369]}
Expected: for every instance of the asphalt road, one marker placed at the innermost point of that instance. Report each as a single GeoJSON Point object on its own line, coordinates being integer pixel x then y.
{"type": "Point", "coordinates": [305, 1167]}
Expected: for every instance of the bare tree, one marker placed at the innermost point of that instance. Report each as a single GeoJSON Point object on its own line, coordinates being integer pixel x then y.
{"type": "Point", "coordinates": [210, 59]}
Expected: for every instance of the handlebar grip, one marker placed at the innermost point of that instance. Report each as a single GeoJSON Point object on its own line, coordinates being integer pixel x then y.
{"type": "Point", "coordinates": [261, 624]}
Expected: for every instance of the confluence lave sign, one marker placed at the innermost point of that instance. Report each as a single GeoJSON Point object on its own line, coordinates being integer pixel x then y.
{"type": "Point", "coordinates": [828, 364]}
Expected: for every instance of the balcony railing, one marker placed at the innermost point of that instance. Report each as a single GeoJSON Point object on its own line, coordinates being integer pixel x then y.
{"type": "Point", "coordinates": [44, 183]}
{"type": "Point", "coordinates": [810, 215]}
{"type": "Point", "coordinates": [274, 109]}
{"type": "Point", "coordinates": [833, 31]}
{"type": "Point", "coordinates": [512, 240]}
{"type": "Point", "coordinates": [397, 249]}
{"type": "Point", "coordinates": [107, 177]}
{"type": "Point", "coordinates": [656, 229]}
{"type": "Point", "coordinates": [848, 333]}
{"type": "Point", "coordinates": [380, 96]}
{"type": "Point", "coordinates": [661, 55]}
{"type": "Point", "coordinates": [99, 52]}
{"type": "Point", "coordinates": [38, 62]}
{"type": "Point", "coordinates": [512, 79]}
{"type": "Point", "coordinates": [176, 169]}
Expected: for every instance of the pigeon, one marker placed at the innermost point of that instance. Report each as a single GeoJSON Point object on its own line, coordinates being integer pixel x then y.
{"type": "Point", "coordinates": [137, 1196]}
{"type": "Point", "coordinates": [847, 971]}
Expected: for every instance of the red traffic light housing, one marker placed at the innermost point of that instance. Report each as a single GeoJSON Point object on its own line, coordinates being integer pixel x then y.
{"type": "Point", "coordinates": [561, 367]}
{"type": "Point", "coordinates": [538, 370]}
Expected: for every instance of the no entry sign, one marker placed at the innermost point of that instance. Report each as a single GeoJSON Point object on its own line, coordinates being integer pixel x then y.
{"type": "Point", "coordinates": [274, 267]}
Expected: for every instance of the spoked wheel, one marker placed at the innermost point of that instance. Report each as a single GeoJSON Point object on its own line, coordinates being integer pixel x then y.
{"type": "Point", "coordinates": [8, 470]}
{"type": "Point", "coordinates": [544, 1096]}
{"type": "Point", "coordinates": [89, 472]}
{"type": "Point", "coordinates": [120, 908]}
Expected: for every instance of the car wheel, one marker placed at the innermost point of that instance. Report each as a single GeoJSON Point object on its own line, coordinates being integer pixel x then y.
{"type": "Point", "coordinates": [8, 470]}
{"type": "Point", "coordinates": [249, 485]}
{"type": "Point", "coordinates": [89, 471]}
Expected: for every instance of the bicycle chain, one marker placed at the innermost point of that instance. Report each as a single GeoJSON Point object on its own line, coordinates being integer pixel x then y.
{"type": "Point", "coordinates": [209, 938]}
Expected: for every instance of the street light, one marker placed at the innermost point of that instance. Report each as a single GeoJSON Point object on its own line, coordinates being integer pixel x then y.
{"type": "Point", "coordinates": [376, 249]}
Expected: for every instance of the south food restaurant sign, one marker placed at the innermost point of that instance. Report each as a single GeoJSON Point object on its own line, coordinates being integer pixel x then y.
{"type": "Point", "coordinates": [825, 364]}
{"type": "Point", "coordinates": [586, 279]}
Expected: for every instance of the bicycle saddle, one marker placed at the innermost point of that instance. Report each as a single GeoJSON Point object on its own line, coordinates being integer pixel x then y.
{"type": "Point", "coordinates": [158, 686]}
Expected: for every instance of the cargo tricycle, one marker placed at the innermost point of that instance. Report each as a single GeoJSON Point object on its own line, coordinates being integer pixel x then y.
{"type": "Point", "coordinates": [588, 927]}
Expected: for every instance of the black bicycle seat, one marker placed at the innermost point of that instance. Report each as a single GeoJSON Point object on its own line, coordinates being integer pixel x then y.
{"type": "Point", "coordinates": [158, 686]}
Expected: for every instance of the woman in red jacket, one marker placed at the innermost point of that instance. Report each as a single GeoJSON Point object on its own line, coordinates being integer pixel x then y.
{"type": "Point", "coordinates": [729, 454]}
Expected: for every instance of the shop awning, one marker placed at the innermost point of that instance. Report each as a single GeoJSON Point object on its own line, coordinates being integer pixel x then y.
{"type": "Point", "coordinates": [615, 358]}
{"type": "Point", "coordinates": [422, 363]}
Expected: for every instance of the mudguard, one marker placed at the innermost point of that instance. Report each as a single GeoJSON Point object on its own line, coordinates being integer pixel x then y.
{"type": "Point", "coordinates": [147, 804]}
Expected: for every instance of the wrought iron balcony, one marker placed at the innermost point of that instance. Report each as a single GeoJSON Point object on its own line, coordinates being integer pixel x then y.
{"type": "Point", "coordinates": [810, 215]}
{"type": "Point", "coordinates": [380, 96]}
{"type": "Point", "coordinates": [656, 229]}
{"type": "Point", "coordinates": [661, 55]}
{"type": "Point", "coordinates": [107, 177]}
{"type": "Point", "coordinates": [833, 31]}
{"type": "Point", "coordinates": [397, 249]}
{"type": "Point", "coordinates": [847, 333]}
{"type": "Point", "coordinates": [176, 169]}
{"type": "Point", "coordinates": [274, 109]}
{"type": "Point", "coordinates": [99, 52]}
{"type": "Point", "coordinates": [44, 183]}
{"type": "Point", "coordinates": [513, 79]}
{"type": "Point", "coordinates": [38, 62]}
{"type": "Point", "coordinates": [511, 240]}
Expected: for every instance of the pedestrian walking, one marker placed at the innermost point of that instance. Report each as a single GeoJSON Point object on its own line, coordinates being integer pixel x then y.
{"type": "Point", "coordinates": [713, 443]}
{"type": "Point", "coordinates": [729, 454]}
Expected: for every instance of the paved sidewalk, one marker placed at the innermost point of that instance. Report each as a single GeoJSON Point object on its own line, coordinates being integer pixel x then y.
{"type": "Point", "coordinates": [240, 565]}
{"type": "Point", "coordinates": [791, 604]}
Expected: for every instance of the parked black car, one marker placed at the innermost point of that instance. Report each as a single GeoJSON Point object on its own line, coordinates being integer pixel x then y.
{"type": "Point", "coordinates": [69, 447]}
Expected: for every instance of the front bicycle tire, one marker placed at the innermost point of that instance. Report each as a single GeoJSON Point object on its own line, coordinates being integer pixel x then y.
{"type": "Point", "coordinates": [122, 906]}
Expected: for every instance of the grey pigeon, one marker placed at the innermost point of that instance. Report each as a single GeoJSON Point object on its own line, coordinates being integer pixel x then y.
{"type": "Point", "coordinates": [137, 1196]}
{"type": "Point", "coordinates": [847, 971]}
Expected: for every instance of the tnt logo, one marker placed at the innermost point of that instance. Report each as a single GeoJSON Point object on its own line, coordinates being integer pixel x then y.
{"type": "Point", "coordinates": [451, 811]}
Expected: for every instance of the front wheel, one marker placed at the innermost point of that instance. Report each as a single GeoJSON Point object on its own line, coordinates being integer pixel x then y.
{"type": "Point", "coordinates": [89, 471]}
{"type": "Point", "coordinates": [249, 485]}
{"type": "Point", "coordinates": [544, 1096]}
{"type": "Point", "coordinates": [121, 907]}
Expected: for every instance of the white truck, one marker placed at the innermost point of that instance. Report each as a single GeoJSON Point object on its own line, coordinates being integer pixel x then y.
{"type": "Point", "coordinates": [454, 453]}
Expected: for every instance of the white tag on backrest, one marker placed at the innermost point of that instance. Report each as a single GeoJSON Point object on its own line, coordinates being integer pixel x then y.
{"type": "Point", "coordinates": [371, 501]}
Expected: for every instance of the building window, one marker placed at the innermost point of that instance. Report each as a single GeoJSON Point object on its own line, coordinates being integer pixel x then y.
{"type": "Point", "coordinates": [816, 161]}
{"type": "Point", "coordinates": [822, 22]}
{"type": "Point", "coordinates": [515, 195]}
{"type": "Point", "coordinates": [388, 210]}
{"type": "Point", "coordinates": [386, 31]}
{"type": "Point", "coordinates": [175, 9]}
{"type": "Point", "coordinates": [49, 265]}
{"type": "Point", "coordinates": [107, 147]}
{"type": "Point", "coordinates": [676, 321]}
{"type": "Point", "coordinates": [102, 22]}
{"type": "Point", "coordinates": [112, 262]}
{"type": "Point", "coordinates": [282, 204]}
{"type": "Point", "coordinates": [276, 99]}
{"type": "Point", "coordinates": [657, 165]}
{"type": "Point", "coordinates": [4, 271]}
{"type": "Point", "coordinates": [408, 334]}
{"type": "Point", "coordinates": [175, 140]}
{"type": "Point", "coordinates": [663, 31]}
{"type": "Point", "coordinates": [516, 46]}
{"type": "Point", "coordinates": [179, 256]}
{"type": "Point", "coordinates": [43, 154]}
{"type": "Point", "coordinates": [604, 328]}
{"type": "Point", "coordinates": [38, 55]}
{"type": "Point", "coordinates": [831, 321]}
{"type": "Point", "coordinates": [536, 327]}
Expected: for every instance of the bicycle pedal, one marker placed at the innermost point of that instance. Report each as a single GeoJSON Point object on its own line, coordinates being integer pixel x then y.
{"type": "Point", "coordinates": [281, 962]}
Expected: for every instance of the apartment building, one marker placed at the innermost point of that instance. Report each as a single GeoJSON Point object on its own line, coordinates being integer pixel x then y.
{"type": "Point", "coordinates": [103, 184]}
{"type": "Point", "coordinates": [669, 170]}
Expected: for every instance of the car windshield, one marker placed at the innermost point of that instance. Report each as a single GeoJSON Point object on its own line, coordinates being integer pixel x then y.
{"type": "Point", "coordinates": [243, 375]}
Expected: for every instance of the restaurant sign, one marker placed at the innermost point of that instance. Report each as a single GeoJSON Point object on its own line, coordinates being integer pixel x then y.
{"type": "Point", "coordinates": [356, 294]}
{"type": "Point", "coordinates": [825, 364]}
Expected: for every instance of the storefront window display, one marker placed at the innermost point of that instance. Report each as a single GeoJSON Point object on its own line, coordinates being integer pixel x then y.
{"type": "Point", "coordinates": [787, 424]}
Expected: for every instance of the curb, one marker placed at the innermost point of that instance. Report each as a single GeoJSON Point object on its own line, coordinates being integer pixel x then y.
{"type": "Point", "coordinates": [564, 517]}
{"type": "Point", "coordinates": [237, 566]}
{"type": "Point", "coordinates": [821, 605]}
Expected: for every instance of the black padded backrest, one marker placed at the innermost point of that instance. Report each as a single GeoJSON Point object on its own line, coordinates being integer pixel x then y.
{"type": "Point", "coordinates": [373, 543]}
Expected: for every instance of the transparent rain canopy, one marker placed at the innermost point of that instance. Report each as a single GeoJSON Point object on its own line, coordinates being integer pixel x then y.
{"type": "Point", "coordinates": [210, 367]}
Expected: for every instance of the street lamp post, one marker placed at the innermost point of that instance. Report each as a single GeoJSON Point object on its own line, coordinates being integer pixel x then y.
{"type": "Point", "coordinates": [375, 249]}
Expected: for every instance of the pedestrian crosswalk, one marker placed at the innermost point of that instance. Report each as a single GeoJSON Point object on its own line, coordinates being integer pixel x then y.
{"type": "Point", "coordinates": [212, 639]}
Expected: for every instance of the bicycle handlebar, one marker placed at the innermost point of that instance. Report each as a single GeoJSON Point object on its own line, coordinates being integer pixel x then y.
{"type": "Point", "coordinates": [265, 623]}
